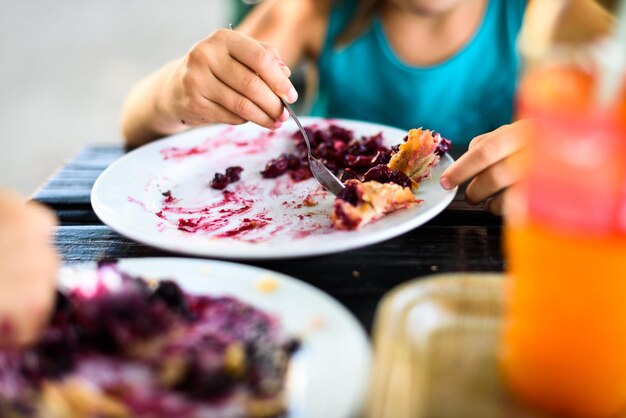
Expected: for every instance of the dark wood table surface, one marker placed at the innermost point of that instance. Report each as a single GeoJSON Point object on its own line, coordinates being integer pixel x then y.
{"type": "Point", "coordinates": [461, 238]}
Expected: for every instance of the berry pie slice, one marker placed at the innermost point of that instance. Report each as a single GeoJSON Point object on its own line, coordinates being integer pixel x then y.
{"type": "Point", "coordinates": [386, 188]}
{"type": "Point", "coordinates": [129, 348]}
{"type": "Point", "coordinates": [418, 155]}
{"type": "Point", "coordinates": [359, 203]}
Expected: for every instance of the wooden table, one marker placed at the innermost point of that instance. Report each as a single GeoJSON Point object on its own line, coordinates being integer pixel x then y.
{"type": "Point", "coordinates": [461, 238]}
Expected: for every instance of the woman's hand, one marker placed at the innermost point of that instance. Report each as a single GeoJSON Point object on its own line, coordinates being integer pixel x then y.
{"type": "Point", "coordinates": [227, 77]}
{"type": "Point", "coordinates": [231, 78]}
{"type": "Point", "coordinates": [28, 267]}
{"type": "Point", "coordinates": [488, 163]}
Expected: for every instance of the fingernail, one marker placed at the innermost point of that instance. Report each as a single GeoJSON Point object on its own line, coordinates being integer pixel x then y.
{"type": "Point", "coordinates": [284, 116]}
{"type": "Point", "coordinates": [292, 96]}
{"type": "Point", "coordinates": [284, 67]}
{"type": "Point", "coordinates": [277, 125]}
{"type": "Point", "coordinates": [445, 183]}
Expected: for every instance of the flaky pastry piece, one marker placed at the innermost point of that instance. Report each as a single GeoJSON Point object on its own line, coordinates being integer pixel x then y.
{"type": "Point", "coordinates": [417, 156]}
{"type": "Point", "coordinates": [386, 188]}
{"type": "Point", "coordinates": [360, 203]}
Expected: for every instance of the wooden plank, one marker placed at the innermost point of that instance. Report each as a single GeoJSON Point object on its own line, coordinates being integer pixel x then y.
{"type": "Point", "coordinates": [56, 197]}
{"type": "Point", "coordinates": [73, 182]}
{"type": "Point", "coordinates": [77, 215]}
{"type": "Point", "coordinates": [417, 253]}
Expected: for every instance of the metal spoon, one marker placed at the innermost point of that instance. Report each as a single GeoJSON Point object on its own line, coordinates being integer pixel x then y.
{"type": "Point", "coordinates": [322, 174]}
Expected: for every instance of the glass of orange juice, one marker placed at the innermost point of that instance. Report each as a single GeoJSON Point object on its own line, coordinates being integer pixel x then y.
{"type": "Point", "coordinates": [564, 338]}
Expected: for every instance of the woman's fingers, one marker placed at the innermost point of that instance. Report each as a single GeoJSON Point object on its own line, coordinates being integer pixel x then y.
{"type": "Point", "coordinates": [284, 68]}
{"type": "Point", "coordinates": [230, 78]}
{"type": "Point", "coordinates": [490, 181]}
{"type": "Point", "coordinates": [274, 51]}
{"type": "Point", "coordinates": [261, 61]}
{"type": "Point", "coordinates": [477, 140]}
{"type": "Point", "coordinates": [496, 204]}
{"type": "Point", "coordinates": [240, 105]}
{"type": "Point", "coordinates": [222, 114]}
{"type": "Point", "coordinates": [484, 152]}
{"type": "Point", "coordinates": [492, 161]}
{"type": "Point", "coordinates": [241, 79]}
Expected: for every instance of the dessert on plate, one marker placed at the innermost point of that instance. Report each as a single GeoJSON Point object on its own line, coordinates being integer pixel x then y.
{"type": "Point", "coordinates": [125, 347]}
{"type": "Point", "coordinates": [386, 188]}
{"type": "Point", "coordinates": [247, 208]}
{"type": "Point", "coordinates": [419, 153]}
{"type": "Point", "coordinates": [378, 179]}
{"type": "Point", "coordinates": [361, 202]}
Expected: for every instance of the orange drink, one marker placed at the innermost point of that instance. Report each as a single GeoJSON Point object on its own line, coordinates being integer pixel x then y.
{"type": "Point", "coordinates": [564, 339]}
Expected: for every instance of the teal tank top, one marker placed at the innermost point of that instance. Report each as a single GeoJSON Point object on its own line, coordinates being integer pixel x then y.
{"type": "Point", "coordinates": [468, 94]}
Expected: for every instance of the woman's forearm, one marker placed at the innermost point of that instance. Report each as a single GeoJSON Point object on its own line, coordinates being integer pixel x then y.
{"type": "Point", "coordinates": [143, 118]}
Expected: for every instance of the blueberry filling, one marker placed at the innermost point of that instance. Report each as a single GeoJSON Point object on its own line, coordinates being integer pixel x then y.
{"type": "Point", "coordinates": [350, 193]}
{"type": "Point", "coordinates": [346, 221]}
{"type": "Point", "coordinates": [217, 346]}
{"type": "Point", "coordinates": [232, 174]}
{"type": "Point", "coordinates": [276, 167]}
{"type": "Point", "coordinates": [443, 146]}
{"type": "Point", "coordinates": [383, 174]}
{"type": "Point", "coordinates": [170, 294]}
{"type": "Point", "coordinates": [348, 174]}
{"type": "Point", "coordinates": [336, 148]}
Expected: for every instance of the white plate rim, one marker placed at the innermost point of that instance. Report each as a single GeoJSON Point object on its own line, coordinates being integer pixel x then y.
{"type": "Point", "coordinates": [250, 252]}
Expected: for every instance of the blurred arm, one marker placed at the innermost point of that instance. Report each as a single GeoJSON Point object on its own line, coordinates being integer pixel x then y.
{"type": "Point", "coordinates": [28, 269]}
{"type": "Point", "coordinates": [143, 119]}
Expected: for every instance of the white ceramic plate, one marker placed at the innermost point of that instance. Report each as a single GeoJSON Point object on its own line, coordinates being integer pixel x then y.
{"type": "Point", "coordinates": [328, 376]}
{"type": "Point", "coordinates": [129, 196]}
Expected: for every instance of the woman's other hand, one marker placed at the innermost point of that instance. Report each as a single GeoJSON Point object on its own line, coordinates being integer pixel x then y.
{"type": "Point", "coordinates": [488, 163]}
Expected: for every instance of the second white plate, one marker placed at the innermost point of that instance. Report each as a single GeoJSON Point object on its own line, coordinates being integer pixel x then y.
{"type": "Point", "coordinates": [328, 376]}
